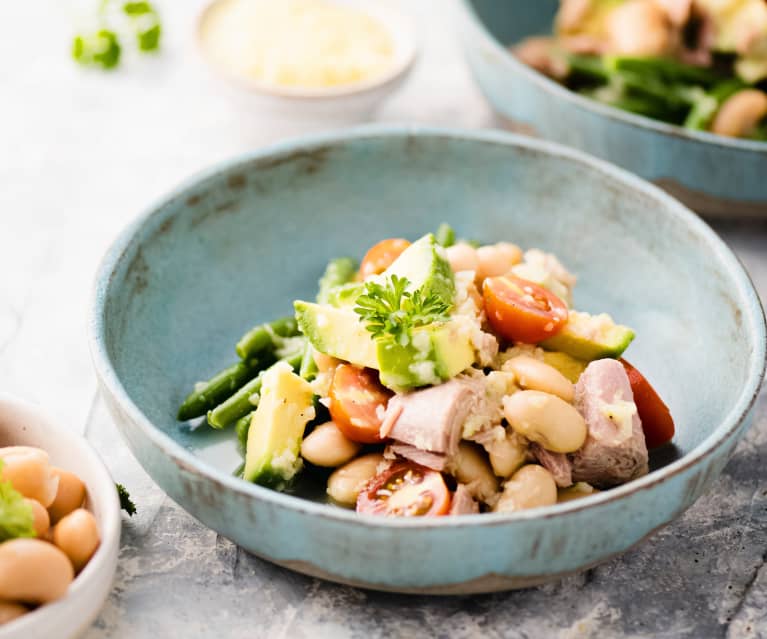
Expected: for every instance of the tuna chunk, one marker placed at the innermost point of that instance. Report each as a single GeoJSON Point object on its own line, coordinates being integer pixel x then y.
{"type": "Point", "coordinates": [463, 503]}
{"type": "Point", "coordinates": [615, 450]}
{"type": "Point", "coordinates": [431, 419]}
{"type": "Point", "coordinates": [435, 461]}
{"type": "Point", "coordinates": [556, 463]}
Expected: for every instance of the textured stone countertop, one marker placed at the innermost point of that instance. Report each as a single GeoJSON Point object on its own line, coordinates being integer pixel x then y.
{"type": "Point", "coordinates": [81, 154]}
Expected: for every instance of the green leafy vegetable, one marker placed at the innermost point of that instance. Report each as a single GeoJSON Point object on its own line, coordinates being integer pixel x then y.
{"type": "Point", "coordinates": [102, 48]}
{"type": "Point", "coordinates": [390, 309]}
{"type": "Point", "coordinates": [16, 518]}
{"type": "Point", "coordinates": [99, 49]}
{"type": "Point", "coordinates": [126, 503]}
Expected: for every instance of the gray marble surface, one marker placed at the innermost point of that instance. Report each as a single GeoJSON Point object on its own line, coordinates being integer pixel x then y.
{"type": "Point", "coordinates": [81, 154]}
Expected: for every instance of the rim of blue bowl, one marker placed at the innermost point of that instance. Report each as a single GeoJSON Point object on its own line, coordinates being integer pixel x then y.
{"type": "Point", "coordinates": [754, 320]}
{"type": "Point", "coordinates": [641, 121]}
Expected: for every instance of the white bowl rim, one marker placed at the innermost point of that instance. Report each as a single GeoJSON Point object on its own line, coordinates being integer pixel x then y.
{"type": "Point", "coordinates": [105, 557]}
{"type": "Point", "coordinates": [605, 110]}
{"type": "Point", "coordinates": [408, 53]}
{"type": "Point", "coordinates": [186, 460]}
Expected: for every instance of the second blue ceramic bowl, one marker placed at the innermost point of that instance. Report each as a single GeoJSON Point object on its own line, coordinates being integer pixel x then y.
{"type": "Point", "coordinates": [712, 174]}
{"type": "Point", "coordinates": [235, 246]}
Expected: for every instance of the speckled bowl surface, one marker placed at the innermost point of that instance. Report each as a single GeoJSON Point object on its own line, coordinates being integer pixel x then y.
{"type": "Point", "coordinates": [234, 246]}
{"type": "Point", "coordinates": [714, 175]}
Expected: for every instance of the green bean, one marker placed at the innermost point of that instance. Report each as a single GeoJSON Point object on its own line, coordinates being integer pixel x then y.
{"type": "Point", "coordinates": [217, 389]}
{"type": "Point", "coordinates": [245, 399]}
{"type": "Point", "coordinates": [445, 235]}
{"type": "Point", "coordinates": [308, 369]}
{"type": "Point", "coordinates": [261, 337]}
{"type": "Point", "coordinates": [338, 272]}
{"type": "Point", "coordinates": [588, 66]}
{"type": "Point", "coordinates": [666, 69]}
{"type": "Point", "coordinates": [705, 108]}
{"type": "Point", "coordinates": [241, 428]}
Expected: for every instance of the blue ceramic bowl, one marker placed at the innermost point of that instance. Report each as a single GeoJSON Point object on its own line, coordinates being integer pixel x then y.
{"type": "Point", "coordinates": [235, 245]}
{"type": "Point", "coordinates": [714, 175]}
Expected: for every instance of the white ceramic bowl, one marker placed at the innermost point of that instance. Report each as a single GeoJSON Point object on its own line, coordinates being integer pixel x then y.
{"type": "Point", "coordinates": [22, 424]}
{"type": "Point", "coordinates": [347, 102]}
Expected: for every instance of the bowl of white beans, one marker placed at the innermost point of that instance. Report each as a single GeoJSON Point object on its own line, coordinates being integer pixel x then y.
{"type": "Point", "coordinates": [56, 573]}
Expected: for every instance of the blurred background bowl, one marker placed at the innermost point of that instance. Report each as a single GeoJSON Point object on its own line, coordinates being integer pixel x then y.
{"type": "Point", "coordinates": [233, 247]}
{"type": "Point", "coordinates": [714, 175]}
{"type": "Point", "coordinates": [348, 103]}
{"type": "Point", "coordinates": [23, 424]}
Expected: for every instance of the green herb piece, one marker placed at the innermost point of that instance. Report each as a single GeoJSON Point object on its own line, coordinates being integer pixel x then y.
{"type": "Point", "coordinates": [99, 49]}
{"type": "Point", "coordinates": [390, 309]}
{"type": "Point", "coordinates": [146, 23]}
{"type": "Point", "coordinates": [16, 518]}
{"type": "Point", "coordinates": [126, 503]}
{"type": "Point", "coordinates": [445, 235]}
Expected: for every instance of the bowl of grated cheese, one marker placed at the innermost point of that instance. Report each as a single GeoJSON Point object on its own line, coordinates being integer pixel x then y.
{"type": "Point", "coordinates": [324, 57]}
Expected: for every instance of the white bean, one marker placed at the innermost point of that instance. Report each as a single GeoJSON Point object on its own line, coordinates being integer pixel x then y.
{"type": "Point", "coordinates": [545, 419]}
{"type": "Point", "coordinates": [470, 467]}
{"type": "Point", "coordinates": [10, 610]}
{"type": "Point", "coordinates": [69, 496]}
{"type": "Point", "coordinates": [576, 491]}
{"type": "Point", "coordinates": [29, 472]}
{"type": "Point", "coordinates": [639, 28]}
{"type": "Point", "coordinates": [740, 113]}
{"type": "Point", "coordinates": [534, 374]}
{"type": "Point", "coordinates": [462, 257]}
{"type": "Point", "coordinates": [497, 259]}
{"type": "Point", "coordinates": [530, 487]}
{"type": "Point", "coordinates": [329, 447]}
{"type": "Point", "coordinates": [42, 521]}
{"type": "Point", "coordinates": [77, 535]}
{"type": "Point", "coordinates": [507, 455]}
{"type": "Point", "coordinates": [345, 483]}
{"type": "Point", "coordinates": [33, 571]}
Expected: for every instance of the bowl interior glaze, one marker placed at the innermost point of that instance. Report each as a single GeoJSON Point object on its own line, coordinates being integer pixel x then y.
{"type": "Point", "coordinates": [234, 247]}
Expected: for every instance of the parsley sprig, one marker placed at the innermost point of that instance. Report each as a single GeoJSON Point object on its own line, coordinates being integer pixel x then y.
{"type": "Point", "coordinates": [389, 309]}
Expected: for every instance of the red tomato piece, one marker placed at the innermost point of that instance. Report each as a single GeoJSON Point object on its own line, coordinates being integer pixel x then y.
{"type": "Point", "coordinates": [357, 403]}
{"type": "Point", "coordinates": [657, 423]}
{"type": "Point", "coordinates": [522, 311]}
{"type": "Point", "coordinates": [405, 489]}
{"type": "Point", "coordinates": [381, 256]}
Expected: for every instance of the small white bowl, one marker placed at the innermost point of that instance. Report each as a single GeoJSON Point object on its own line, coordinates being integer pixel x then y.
{"type": "Point", "coordinates": [23, 424]}
{"type": "Point", "coordinates": [351, 101]}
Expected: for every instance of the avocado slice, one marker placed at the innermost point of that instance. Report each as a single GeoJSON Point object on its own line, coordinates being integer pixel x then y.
{"type": "Point", "coordinates": [434, 354]}
{"type": "Point", "coordinates": [337, 332]}
{"type": "Point", "coordinates": [424, 263]}
{"type": "Point", "coordinates": [588, 337]}
{"type": "Point", "coordinates": [277, 428]}
{"type": "Point", "coordinates": [570, 367]}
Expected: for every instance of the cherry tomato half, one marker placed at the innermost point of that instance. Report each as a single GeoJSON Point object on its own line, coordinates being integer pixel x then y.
{"type": "Point", "coordinates": [357, 403]}
{"type": "Point", "coordinates": [657, 423]}
{"type": "Point", "coordinates": [522, 311]}
{"type": "Point", "coordinates": [405, 489]}
{"type": "Point", "coordinates": [381, 256]}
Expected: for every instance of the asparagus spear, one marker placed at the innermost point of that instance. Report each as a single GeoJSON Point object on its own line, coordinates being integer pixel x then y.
{"type": "Point", "coordinates": [338, 272]}
{"type": "Point", "coordinates": [246, 398]}
{"type": "Point", "coordinates": [217, 389]}
{"type": "Point", "coordinates": [666, 69]}
{"type": "Point", "coordinates": [262, 337]}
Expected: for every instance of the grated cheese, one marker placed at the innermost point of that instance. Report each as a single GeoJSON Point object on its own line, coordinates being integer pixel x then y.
{"type": "Point", "coordinates": [297, 43]}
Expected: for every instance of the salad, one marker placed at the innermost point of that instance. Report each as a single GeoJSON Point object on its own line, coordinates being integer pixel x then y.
{"type": "Point", "coordinates": [701, 64]}
{"type": "Point", "coordinates": [439, 378]}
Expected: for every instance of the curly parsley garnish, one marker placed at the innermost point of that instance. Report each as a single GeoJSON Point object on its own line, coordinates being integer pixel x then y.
{"type": "Point", "coordinates": [389, 309]}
